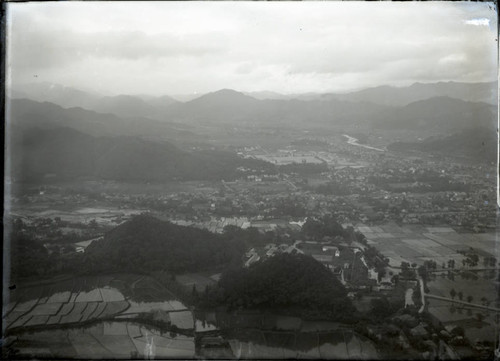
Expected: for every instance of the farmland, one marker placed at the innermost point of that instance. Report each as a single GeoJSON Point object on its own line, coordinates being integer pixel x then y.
{"type": "Point", "coordinates": [87, 299]}
{"type": "Point", "coordinates": [415, 243]}
{"type": "Point", "coordinates": [478, 324]}
{"type": "Point", "coordinates": [79, 318]}
{"type": "Point", "coordinates": [106, 340]}
{"type": "Point", "coordinates": [340, 344]}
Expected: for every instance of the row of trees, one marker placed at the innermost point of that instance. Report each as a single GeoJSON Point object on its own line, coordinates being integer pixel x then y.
{"type": "Point", "coordinates": [469, 298]}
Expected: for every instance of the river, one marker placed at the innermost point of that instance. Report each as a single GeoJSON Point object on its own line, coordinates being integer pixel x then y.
{"type": "Point", "coordinates": [354, 141]}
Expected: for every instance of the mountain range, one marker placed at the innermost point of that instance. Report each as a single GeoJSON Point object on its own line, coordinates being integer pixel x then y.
{"type": "Point", "coordinates": [401, 96]}
{"type": "Point", "coordinates": [68, 97]}
{"type": "Point", "coordinates": [165, 107]}
{"type": "Point", "coordinates": [26, 113]}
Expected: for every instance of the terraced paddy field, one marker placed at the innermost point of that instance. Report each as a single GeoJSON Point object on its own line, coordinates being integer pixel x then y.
{"type": "Point", "coordinates": [78, 318]}
{"type": "Point", "coordinates": [86, 299]}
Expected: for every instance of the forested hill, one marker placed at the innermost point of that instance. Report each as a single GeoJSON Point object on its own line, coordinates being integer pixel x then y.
{"type": "Point", "coordinates": [146, 244]}
{"type": "Point", "coordinates": [290, 283]}
{"type": "Point", "coordinates": [479, 144]}
{"type": "Point", "coordinates": [65, 153]}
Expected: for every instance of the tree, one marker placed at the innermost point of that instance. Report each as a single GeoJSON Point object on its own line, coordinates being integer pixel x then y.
{"type": "Point", "coordinates": [453, 293]}
{"type": "Point", "coordinates": [469, 298]}
{"type": "Point", "coordinates": [460, 295]}
{"type": "Point", "coordinates": [479, 317]}
{"type": "Point", "coordinates": [458, 331]}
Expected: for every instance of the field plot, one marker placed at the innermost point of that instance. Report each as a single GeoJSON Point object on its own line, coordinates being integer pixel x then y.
{"type": "Point", "coordinates": [20, 321]}
{"type": "Point", "coordinates": [99, 309]}
{"type": "Point", "coordinates": [26, 306]}
{"type": "Point", "coordinates": [119, 346]}
{"type": "Point", "coordinates": [440, 229]}
{"type": "Point", "coordinates": [165, 347]}
{"type": "Point", "coordinates": [115, 329]}
{"type": "Point", "coordinates": [86, 346]}
{"type": "Point", "coordinates": [133, 330]}
{"type": "Point", "coordinates": [12, 317]}
{"type": "Point", "coordinates": [111, 294]}
{"type": "Point", "coordinates": [91, 296]}
{"type": "Point", "coordinates": [89, 310]}
{"type": "Point", "coordinates": [46, 309]}
{"type": "Point", "coordinates": [467, 318]}
{"type": "Point", "coordinates": [137, 307]}
{"type": "Point", "coordinates": [113, 308]}
{"type": "Point", "coordinates": [328, 350]}
{"type": "Point", "coordinates": [66, 309]}
{"type": "Point", "coordinates": [59, 297]}
{"type": "Point", "coordinates": [54, 320]}
{"type": "Point", "coordinates": [37, 320]}
{"type": "Point", "coordinates": [442, 239]}
{"type": "Point", "coordinates": [76, 313]}
{"type": "Point", "coordinates": [182, 319]}
{"type": "Point", "coordinates": [476, 288]}
{"type": "Point", "coordinates": [414, 243]}
{"type": "Point", "coordinates": [324, 345]}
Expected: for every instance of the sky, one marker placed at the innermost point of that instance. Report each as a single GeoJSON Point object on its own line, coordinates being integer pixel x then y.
{"type": "Point", "coordinates": [163, 48]}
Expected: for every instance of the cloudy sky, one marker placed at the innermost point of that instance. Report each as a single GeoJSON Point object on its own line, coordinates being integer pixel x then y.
{"type": "Point", "coordinates": [288, 47]}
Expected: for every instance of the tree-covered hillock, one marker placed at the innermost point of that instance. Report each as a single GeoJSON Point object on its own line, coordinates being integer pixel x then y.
{"type": "Point", "coordinates": [286, 283]}
{"type": "Point", "coordinates": [146, 244]}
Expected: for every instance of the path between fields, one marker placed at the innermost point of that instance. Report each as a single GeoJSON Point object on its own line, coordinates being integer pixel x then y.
{"type": "Point", "coordinates": [428, 295]}
{"type": "Point", "coordinates": [422, 293]}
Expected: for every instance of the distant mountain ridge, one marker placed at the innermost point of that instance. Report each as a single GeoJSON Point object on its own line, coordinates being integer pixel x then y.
{"type": "Point", "coordinates": [440, 114]}
{"type": "Point", "coordinates": [26, 113]}
{"type": "Point", "coordinates": [401, 96]}
{"type": "Point", "coordinates": [120, 105]}
{"type": "Point", "coordinates": [437, 107]}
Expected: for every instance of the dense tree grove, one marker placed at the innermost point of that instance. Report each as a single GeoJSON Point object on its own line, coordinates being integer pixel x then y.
{"type": "Point", "coordinates": [288, 283]}
{"type": "Point", "coordinates": [324, 227]}
{"type": "Point", "coordinates": [146, 244]}
{"type": "Point", "coordinates": [29, 258]}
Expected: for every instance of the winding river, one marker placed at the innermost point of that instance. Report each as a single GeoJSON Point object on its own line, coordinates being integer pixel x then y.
{"type": "Point", "coordinates": [354, 141]}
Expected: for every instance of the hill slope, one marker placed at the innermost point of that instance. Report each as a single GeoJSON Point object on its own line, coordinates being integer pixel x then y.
{"type": "Point", "coordinates": [439, 114]}
{"type": "Point", "coordinates": [26, 113]}
{"type": "Point", "coordinates": [478, 144]}
{"type": "Point", "coordinates": [287, 282]}
{"type": "Point", "coordinates": [146, 244]}
{"type": "Point", "coordinates": [67, 154]}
